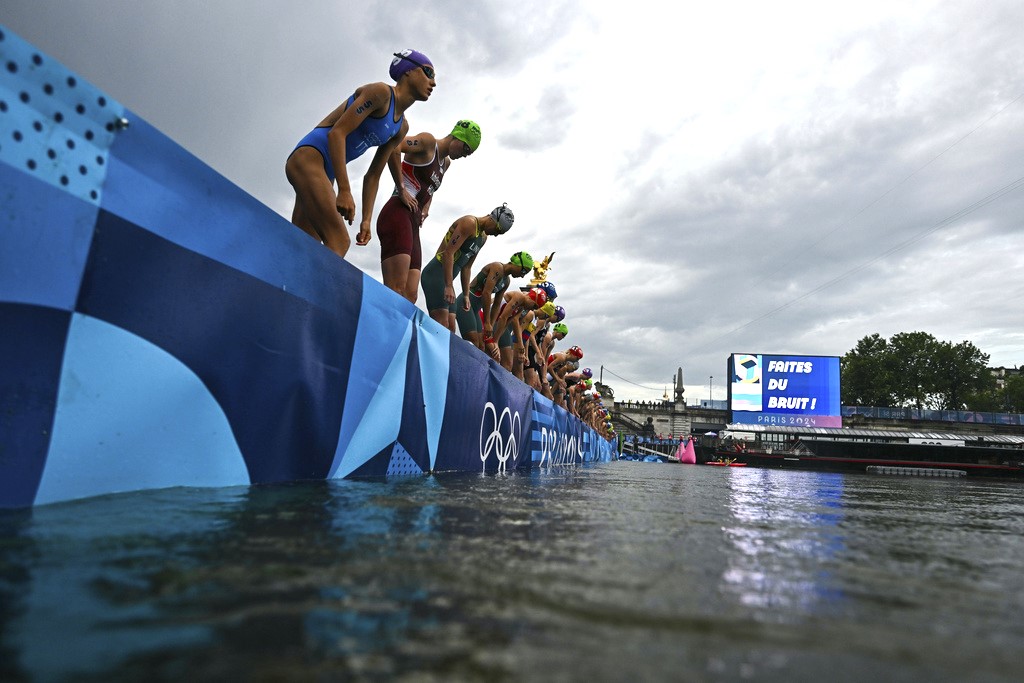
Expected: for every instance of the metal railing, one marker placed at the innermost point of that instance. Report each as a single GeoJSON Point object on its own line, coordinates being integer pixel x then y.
{"type": "Point", "coordinates": [966, 416]}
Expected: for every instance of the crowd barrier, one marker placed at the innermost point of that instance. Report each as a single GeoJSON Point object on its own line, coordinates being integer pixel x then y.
{"type": "Point", "coordinates": [160, 327]}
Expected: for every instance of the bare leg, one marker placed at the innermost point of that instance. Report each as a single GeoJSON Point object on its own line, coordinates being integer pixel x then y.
{"type": "Point", "coordinates": [517, 365]}
{"type": "Point", "coordinates": [395, 270]}
{"type": "Point", "coordinates": [299, 219]}
{"type": "Point", "coordinates": [440, 315]}
{"type": "Point", "coordinates": [315, 210]}
{"type": "Point", "coordinates": [412, 285]}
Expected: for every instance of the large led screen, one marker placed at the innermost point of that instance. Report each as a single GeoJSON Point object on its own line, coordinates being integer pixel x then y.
{"type": "Point", "coordinates": [790, 391]}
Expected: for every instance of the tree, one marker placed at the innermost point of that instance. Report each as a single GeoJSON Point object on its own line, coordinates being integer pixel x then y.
{"type": "Point", "coordinates": [960, 377]}
{"type": "Point", "coordinates": [916, 369]}
{"type": "Point", "coordinates": [864, 374]}
{"type": "Point", "coordinates": [912, 360]}
{"type": "Point", "coordinates": [1013, 394]}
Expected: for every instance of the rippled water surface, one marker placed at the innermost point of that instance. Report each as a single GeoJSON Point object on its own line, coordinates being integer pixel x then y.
{"type": "Point", "coordinates": [616, 572]}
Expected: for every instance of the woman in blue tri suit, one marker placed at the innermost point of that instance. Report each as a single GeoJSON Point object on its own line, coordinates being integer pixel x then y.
{"type": "Point", "coordinates": [373, 116]}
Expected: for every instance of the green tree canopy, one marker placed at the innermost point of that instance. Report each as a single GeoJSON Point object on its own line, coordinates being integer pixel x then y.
{"type": "Point", "coordinates": [864, 374]}
{"type": "Point", "coordinates": [1013, 394]}
{"type": "Point", "coordinates": [914, 369]}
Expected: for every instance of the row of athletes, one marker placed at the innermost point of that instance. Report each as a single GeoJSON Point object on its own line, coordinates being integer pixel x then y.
{"type": "Point", "coordinates": [518, 327]}
{"type": "Point", "coordinates": [374, 116]}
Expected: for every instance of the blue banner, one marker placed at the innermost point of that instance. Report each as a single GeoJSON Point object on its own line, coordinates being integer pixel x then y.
{"type": "Point", "coordinates": [163, 328]}
{"type": "Point", "coordinates": [785, 390]}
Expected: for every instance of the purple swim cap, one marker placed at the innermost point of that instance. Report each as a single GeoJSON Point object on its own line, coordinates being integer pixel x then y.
{"type": "Point", "coordinates": [406, 61]}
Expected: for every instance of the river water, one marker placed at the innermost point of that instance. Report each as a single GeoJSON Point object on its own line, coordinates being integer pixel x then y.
{"type": "Point", "coordinates": [612, 572]}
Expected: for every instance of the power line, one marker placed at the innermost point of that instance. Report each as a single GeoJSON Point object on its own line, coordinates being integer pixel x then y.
{"type": "Point", "coordinates": [985, 201]}
{"type": "Point", "coordinates": [797, 255]}
{"type": "Point", "coordinates": [605, 369]}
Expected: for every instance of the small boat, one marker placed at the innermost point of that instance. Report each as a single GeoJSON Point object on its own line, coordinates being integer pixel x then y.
{"type": "Point", "coordinates": [726, 463]}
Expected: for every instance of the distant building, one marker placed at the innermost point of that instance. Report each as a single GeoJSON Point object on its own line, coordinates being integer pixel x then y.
{"type": "Point", "coordinates": [1002, 374]}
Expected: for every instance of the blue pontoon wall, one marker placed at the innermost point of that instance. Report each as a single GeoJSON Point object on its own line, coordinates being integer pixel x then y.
{"type": "Point", "coordinates": [160, 327]}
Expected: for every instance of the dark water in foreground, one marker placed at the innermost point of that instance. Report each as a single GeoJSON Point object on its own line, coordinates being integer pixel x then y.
{"type": "Point", "coordinates": [624, 571]}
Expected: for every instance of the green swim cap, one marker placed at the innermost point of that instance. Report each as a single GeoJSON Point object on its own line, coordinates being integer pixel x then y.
{"type": "Point", "coordinates": [468, 132]}
{"type": "Point", "coordinates": [522, 259]}
{"type": "Point", "coordinates": [562, 327]}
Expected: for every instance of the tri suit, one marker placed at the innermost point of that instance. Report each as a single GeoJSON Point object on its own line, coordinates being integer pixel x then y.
{"type": "Point", "coordinates": [398, 228]}
{"type": "Point", "coordinates": [471, 320]}
{"type": "Point", "coordinates": [372, 132]}
{"type": "Point", "coordinates": [432, 279]}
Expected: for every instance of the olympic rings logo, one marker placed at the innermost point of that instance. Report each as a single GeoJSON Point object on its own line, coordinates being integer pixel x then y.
{"type": "Point", "coordinates": [495, 439]}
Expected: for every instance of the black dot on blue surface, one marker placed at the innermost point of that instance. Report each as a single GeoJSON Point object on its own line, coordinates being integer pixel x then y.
{"type": "Point", "coordinates": [37, 60]}
{"type": "Point", "coordinates": [89, 135]}
{"type": "Point", "coordinates": [48, 89]}
{"type": "Point", "coordinates": [37, 126]}
{"type": "Point", "coordinates": [58, 117]}
{"type": "Point", "coordinates": [64, 180]}
{"type": "Point", "coordinates": [80, 108]}
{"type": "Point", "coordinates": [72, 82]}
{"type": "Point", "coordinates": [102, 101]}
{"type": "Point", "coordinates": [24, 97]}
{"type": "Point", "coordinates": [83, 170]}
{"type": "Point", "coordinates": [12, 67]}
{"type": "Point", "coordinates": [52, 154]}
{"type": "Point", "coordinates": [31, 163]}
{"type": "Point", "coordinates": [17, 136]}
{"type": "Point", "coordinates": [94, 194]}
{"type": "Point", "coordinates": [71, 143]}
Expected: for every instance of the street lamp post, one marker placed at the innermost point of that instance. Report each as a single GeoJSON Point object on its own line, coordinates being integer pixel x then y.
{"type": "Point", "coordinates": [710, 380]}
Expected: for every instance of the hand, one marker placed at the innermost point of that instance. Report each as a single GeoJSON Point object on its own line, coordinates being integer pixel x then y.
{"type": "Point", "coordinates": [449, 294]}
{"type": "Point", "coordinates": [346, 206]}
{"type": "Point", "coordinates": [465, 302]}
{"type": "Point", "coordinates": [364, 235]}
{"type": "Point", "coordinates": [492, 349]}
{"type": "Point", "coordinates": [408, 199]}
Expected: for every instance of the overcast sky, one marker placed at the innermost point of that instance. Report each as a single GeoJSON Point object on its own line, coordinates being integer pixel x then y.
{"type": "Point", "coordinates": [763, 177]}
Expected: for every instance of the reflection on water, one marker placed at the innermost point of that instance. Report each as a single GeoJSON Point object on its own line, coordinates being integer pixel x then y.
{"type": "Point", "coordinates": [783, 530]}
{"type": "Point", "coordinates": [617, 571]}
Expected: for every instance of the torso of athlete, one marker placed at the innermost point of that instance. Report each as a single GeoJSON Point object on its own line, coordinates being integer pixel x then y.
{"type": "Point", "coordinates": [372, 132]}
{"type": "Point", "coordinates": [476, 287]}
{"type": "Point", "coordinates": [422, 180]}
{"type": "Point", "coordinates": [470, 248]}
{"type": "Point", "coordinates": [397, 225]}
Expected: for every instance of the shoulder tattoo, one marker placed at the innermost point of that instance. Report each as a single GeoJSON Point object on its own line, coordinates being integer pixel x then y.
{"type": "Point", "coordinates": [365, 106]}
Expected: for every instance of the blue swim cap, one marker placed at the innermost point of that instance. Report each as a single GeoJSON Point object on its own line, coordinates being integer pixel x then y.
{"type": "Point", "coordinates": [549, 289]}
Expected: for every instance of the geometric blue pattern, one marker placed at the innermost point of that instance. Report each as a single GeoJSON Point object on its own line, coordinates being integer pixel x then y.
{"type": "Point", "coordinates": [55, 126]}
{"type": "Point", "coordinates": [160, 327]}
{"type": "Point", "coordinates": [402, 464]}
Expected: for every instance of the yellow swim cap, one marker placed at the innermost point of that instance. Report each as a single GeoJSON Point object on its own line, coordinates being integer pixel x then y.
{"type": "Point", "coordinates": [468, 132]}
